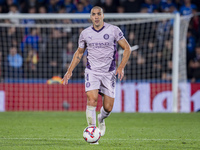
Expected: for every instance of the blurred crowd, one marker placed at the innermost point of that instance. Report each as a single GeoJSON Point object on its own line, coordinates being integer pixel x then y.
{"type": "Point", "coordinates": [185, 7]}
{"type": "Point", "coordinates": [31, 46]}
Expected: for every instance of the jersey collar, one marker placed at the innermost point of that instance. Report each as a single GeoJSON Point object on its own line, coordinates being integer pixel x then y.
{"type": "Point", "coordinates": [98, 30]}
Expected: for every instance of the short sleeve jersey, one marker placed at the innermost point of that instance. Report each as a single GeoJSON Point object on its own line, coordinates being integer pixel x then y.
{"type": "Point", "coordinates": [101, 46]}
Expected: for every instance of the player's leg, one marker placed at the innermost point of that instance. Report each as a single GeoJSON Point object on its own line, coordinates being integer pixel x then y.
{"type": "Point", "coordinates": [92, 97]}
{"type": "Point", "coordinates": [107, 88]}
{"type": "Point", "coordinates": [107, 107]}
{"type": "Point", "coordinates": [105, 111]}
{"type": "Point", "coordinates": [92, 84]}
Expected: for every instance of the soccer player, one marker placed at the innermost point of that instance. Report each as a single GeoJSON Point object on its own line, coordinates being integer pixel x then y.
{"type": "Point", "coordinates": [101, 40]}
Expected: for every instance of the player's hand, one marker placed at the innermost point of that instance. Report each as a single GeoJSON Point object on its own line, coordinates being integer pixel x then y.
{"type": "Point", "coordinates": [66, 77]}
{"type": "Point", "coordinates": [120, 73]}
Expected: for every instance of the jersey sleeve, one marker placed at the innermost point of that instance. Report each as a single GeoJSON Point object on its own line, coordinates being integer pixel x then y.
{"type": "Point", "coordinates": [81, 41]}
{"type": "Point", "coordinates": [118, 34]}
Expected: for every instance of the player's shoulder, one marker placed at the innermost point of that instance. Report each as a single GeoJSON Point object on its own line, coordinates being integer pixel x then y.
{"type": "Point", "coordinates": [88, 29]}
{"type": "Point", "coordinates": [108, 25]}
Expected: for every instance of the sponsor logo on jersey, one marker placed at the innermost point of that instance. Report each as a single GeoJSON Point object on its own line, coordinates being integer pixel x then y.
{"type": "Point", "coordinates": [98, 45]}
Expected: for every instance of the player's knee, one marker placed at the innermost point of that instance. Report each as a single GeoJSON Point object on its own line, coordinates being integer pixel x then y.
{"type": "Point", "coordinates": [108, 108]}
{"type": "Point", "coordinates": [91, 102]}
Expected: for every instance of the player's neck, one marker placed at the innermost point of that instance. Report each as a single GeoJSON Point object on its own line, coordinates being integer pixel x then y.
{"type": "Point", "coordinates": [98, 27]}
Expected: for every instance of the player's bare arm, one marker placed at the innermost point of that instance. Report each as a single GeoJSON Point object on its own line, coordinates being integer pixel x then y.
{"type": "Point", "coordinates": [75, 61]}
{"type": "Point", "coordinates": [127, 51]}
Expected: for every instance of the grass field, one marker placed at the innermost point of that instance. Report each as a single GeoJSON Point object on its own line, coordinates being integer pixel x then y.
{"type": "Point", "coordinates": [134, 131]}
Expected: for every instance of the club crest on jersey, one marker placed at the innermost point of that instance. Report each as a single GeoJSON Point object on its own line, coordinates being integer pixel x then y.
{"type": "Point", "coordinates": [106, 36]}
{"type": "Point", "coordinates": [120, 34]}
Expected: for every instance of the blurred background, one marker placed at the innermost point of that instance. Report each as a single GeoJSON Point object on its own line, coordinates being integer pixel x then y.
{"type": "Point", "coordinates": [35, 54]}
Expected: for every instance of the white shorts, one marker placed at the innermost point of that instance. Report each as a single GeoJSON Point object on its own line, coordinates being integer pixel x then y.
{"type": "Point", "coordinates": [104, 82]}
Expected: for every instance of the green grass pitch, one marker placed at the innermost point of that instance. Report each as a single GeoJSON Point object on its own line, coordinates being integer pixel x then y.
{"type": "Point", "coordinates": [125, 131]}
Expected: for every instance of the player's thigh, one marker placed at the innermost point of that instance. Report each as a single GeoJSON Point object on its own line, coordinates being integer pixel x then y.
{"type": "Point", "coordinates": [92, 95]}
{"type": "Point", "coordinates": [92, 81]}
{"type": "Point", "coordinates": [108, 84]}
{"type": "Point", "coordinates": [108, 103]}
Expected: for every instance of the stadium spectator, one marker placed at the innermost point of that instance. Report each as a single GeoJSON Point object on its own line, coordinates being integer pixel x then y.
{"type": "Point", "coordinates": [54, 50]}
{"type": "Point", "coordinates": [158, 65]}
{"type": "Point", "coordinates": [134, 63]}
{"type": "Point", "coordinates": [32, 39]}
{"type": "Point", "coordinates": [140, 66]}
{"type": "Point", "coordinates": [67, 56]}
{"type": "Point", "coordinates": [167, 71]}
{"type": "Point", "coordinates": [131, 38]}
{"type": "Point", "coordinates": [7, 4]}
{"type": "Point", "coordinates": [13, 10]}
{"type": "Point", "coordinates": [75, 37]}
{"type": "Point", "coordinates": [14, 64]}
{"type": "Point", "coordinates": [149, 52]}
{"type": "Point", "coordinates": [30, 63]}
{"type": "Point", "coordinates": [167, 50]}
{"type": "Point", "coordinates": [165, 5]}
{"type": "Point", "coordinates": [194, 66]}
{"type": "Point", "coordinates": [27, 4]}
{"type": "Point", "coordinates": [173, 9]}
{"type": "Point", "coordinates": [68, 53]}
{"type": "Point", "coordinates": [187, 8]}
{"type": "Point", "coordinates": [62, 10]}
{"type": "Point", "coordinates": [191, 44]}
{"type": "Point", "coordinates": [80, 8]}
{"type": "Point", "coordinates": [195, 25]}
{"type": "Point", "coordinates": [69, 6]}
{"type": "Point", "coordinates": [120, 9]}
{"type": "Point", "coordinates": [144, 10]}
{"type": "Point", "coordinates": [10, 39]}
{"type": "Point", "coordinates": [149, 5]}
{"type": "Point", "coordinates": [31, 10]}
{"type": "Point", "coordinates": [163, 28]}
{"type": "Point", "coordinates": [53, 6]}
{"type": "Point", "coordinates": [42, 10]}
{"type": "Point", "coordinates": [87, 5]}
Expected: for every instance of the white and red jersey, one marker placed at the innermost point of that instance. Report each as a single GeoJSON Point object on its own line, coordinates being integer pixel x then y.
{"type": "Point", "coordinates": [101, 46]}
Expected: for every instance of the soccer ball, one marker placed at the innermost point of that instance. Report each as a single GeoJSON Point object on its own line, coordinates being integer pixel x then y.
{"type": "Point", "coordinates": [91, 134]}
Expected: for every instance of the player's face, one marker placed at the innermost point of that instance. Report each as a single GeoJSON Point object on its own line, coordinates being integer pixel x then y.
{"type": "Point", "coordinates": [97, 17]}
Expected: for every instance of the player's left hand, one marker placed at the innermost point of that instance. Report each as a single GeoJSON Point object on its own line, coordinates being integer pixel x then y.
{"type": "Point", "coordinates": [120, 73]}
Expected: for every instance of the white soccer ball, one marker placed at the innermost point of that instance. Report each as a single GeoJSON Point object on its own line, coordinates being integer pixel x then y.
{"type": "Point", "coordinates": [91, 134]}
